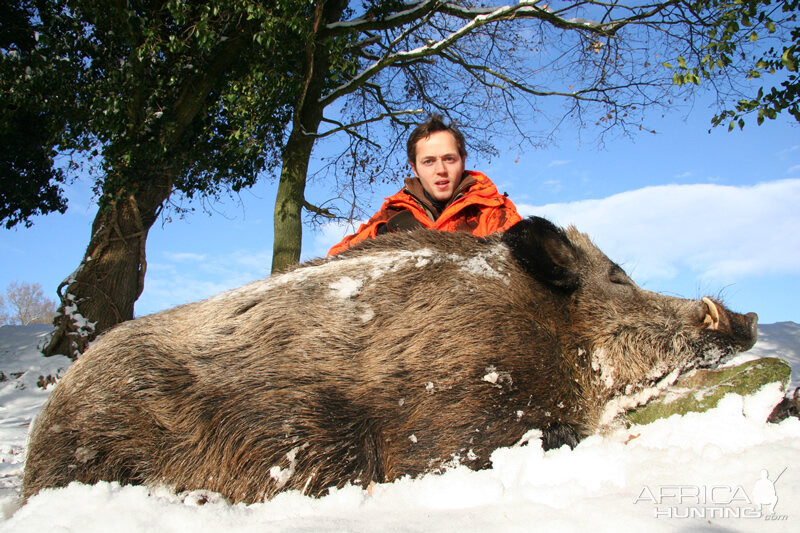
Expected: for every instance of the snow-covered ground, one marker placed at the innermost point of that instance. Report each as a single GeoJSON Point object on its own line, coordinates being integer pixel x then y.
{"type": "Point", "coordinates": [699, 471]}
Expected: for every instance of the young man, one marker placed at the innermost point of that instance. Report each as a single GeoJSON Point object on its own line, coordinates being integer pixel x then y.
{"type": "Point", "coordinates": [442, 196]}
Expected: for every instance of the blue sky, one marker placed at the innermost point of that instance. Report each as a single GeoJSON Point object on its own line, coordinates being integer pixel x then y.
{"type": "Point", "coordinates": [686, 212]}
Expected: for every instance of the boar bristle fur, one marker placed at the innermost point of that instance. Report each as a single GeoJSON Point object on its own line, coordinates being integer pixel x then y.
{"type": "Point", "coordinates": [405, 355]}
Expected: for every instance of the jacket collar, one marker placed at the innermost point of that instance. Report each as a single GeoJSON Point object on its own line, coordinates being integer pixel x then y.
{"type": "Point", "coordinates": [413, 186]}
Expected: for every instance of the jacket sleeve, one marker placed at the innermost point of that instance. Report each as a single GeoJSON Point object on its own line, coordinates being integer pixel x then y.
{"type": "Point", "coordinates": [509, 216]}
{"type": "Point", "coordinates": [367, 230]}
{"type": "Point", "coordinates": [498, 218]}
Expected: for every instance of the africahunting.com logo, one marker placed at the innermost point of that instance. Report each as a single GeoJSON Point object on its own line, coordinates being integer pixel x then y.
{"type": "Point", "coordinates": [715, 501]}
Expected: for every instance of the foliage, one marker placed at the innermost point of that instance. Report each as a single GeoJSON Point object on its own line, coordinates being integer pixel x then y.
{"type": "Point", "coordinates": [113, 82]}
{"type": "Point", "coordinates": [127, 79]}
{"type": "Point", "coordinates": [753, 38]}
{"type": "Point", "coordinates": [530, 69]}
{"type": "Point", "coordinates": [29, 184]}
{"type": "Point", "coordinates": [158, 96]}
{"type": "Point", "coordinates": [26, 304]}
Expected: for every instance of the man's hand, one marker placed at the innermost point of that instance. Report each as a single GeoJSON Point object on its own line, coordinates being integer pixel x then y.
{"type": "Point", "coordinates": [403, 221]}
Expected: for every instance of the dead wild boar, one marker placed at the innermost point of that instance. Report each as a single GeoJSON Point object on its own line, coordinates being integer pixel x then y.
{"type": "Point", "coordinates": [404, 355]}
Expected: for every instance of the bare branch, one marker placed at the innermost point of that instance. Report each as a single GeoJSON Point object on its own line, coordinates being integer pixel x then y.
{"type": "Point", "coordinates": [319, 211]}
{"type": "Point", "coordinates": [537, 9]}
{"type": "Point", "coordinates": [415, 11]}
{"type": "Point", "coordinates": [349, 128]}
{"type": "Point", "coordinates": [477, 18]}
{"type": "Point", "coordinates": [582, 94]}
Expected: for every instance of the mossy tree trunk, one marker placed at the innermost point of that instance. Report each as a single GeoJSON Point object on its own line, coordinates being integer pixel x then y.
{"type": "Point", "coordinates": [103, 289]}
{"type": "Point", "coordinates": [290, 200]}
{"type": "Point", "coordinates": [110, 278]}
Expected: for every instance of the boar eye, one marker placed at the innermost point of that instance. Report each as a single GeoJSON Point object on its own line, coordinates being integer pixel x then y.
{"type": "Point", "coordinates": [618, 276]}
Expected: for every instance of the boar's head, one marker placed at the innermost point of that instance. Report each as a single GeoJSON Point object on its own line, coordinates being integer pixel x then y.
{"type": "Point", "coordinates": [621, 339]}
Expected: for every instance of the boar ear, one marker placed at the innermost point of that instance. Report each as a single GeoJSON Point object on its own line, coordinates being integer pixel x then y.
{"type": "Point", "coordinates": [544, 251]}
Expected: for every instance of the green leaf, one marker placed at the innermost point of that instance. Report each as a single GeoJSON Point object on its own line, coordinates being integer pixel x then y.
{"type": "Point", "coordinates": [788, 60]}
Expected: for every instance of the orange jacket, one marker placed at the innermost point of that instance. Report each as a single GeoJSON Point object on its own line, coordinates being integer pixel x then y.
{"type": "Point", "coordinates": [476, 207]}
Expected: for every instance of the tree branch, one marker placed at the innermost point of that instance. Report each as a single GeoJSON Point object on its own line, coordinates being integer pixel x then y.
{"type": "Point", "coordinates": [349, 127]}
{"type": "Point", "coordinates": [524, 9]}
{"type": "Point", "coordinates": [320, 211]}
{"type": "Point", "coordinates": [432, 48]}
{"type": "Point", "coordinates": [477, 17]}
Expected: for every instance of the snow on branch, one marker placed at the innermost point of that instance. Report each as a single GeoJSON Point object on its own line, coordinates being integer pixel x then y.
{"type": "Point", "coordinates": [476, 18]}
{"type": "Point", "coordinates": [431, 48]}
{"type": "Point", "coordinates": [414, 11]}
{"type": "Point", "coordinates": [524, 9]}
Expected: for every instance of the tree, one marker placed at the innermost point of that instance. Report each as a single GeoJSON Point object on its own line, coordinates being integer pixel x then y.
{"type": "Point", "coordinates": [27, 304]}
{"type": "Point", "coordinates": [4, 318]}
{"type": "Point", "coordinates": [734, 28]}
{"type": "Point", "coordinates": [164, 97]}
{"type": "Point", "coordinates": [30, 185]}
{"type": "Point", "coordinates": [490, 67]}
{"type": "Point", "coordinates": [155, 97]}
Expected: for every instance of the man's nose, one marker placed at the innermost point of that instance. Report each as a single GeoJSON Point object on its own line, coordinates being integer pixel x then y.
{"type": "Point", "coordinates": [440, 168]}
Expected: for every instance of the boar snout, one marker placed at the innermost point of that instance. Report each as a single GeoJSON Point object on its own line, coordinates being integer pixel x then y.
{"type": "Point", "coordinates": [745, 327]}
{"type": "Point", "coordinates": [725, 330]}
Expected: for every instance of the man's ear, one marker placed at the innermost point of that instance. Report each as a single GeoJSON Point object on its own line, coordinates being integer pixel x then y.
{"type": "Point", "coordinates": [413, 168]}
{"type": "Point", "coordinates": [545, 252]}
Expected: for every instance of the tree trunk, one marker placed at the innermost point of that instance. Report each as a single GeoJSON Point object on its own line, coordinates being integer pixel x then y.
{"type": "Point", "coordinates": [288, 222]}
{"type": "Point", "coordinates": [102, 291]}
{"type": "Point", "coordinates": [109, 280]}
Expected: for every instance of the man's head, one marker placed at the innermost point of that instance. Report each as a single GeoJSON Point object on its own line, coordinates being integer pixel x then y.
{"type": "Point", "coordinates": [436, 154]}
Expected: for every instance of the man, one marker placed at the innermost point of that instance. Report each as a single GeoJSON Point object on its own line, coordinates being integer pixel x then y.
{"type": "Point", "coordinates": [442, 196]}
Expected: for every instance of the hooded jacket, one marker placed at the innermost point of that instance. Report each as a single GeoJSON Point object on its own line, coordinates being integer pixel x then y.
{"type": "Point", "coordinates": [476, 207]}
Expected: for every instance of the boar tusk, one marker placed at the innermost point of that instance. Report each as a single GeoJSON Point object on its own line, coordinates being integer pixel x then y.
{"type": "Point", "coordinates": [711, 320]}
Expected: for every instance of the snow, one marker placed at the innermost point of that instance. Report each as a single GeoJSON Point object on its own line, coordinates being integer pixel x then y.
{"type": "Point", "coordinates": [481, 264]}
{"type": "Point", "coordinates": [701, 470]}
{"type": "Point", "coordinates": [498, 378]}
{"type": "Point", "coordinates": [282, 475]}
{"type": "Point", "coordinates": [634, 399]}
{"type": "Point", "coordinates": [346, 287]}
{"type": "Point", "coordinates": [372, 266]}
{"type": "Point", "coordinates": [781, 339]}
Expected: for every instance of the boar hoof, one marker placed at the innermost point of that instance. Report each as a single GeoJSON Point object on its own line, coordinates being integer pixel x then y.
{"type": "Point", "coordinates": [557, 435]}
{"type": "Point", "coordinates": [789, 406]}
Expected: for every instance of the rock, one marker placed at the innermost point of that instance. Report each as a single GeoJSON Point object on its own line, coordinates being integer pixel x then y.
{"type": "Point", "coordinates": [701, 390]}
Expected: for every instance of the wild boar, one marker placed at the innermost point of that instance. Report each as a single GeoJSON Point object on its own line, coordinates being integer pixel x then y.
{"type": "Point", "coordinates": [404, 355]}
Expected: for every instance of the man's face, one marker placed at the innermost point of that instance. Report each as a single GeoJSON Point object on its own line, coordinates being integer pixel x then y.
{"type": "Point", "coordinates": [439, 166]}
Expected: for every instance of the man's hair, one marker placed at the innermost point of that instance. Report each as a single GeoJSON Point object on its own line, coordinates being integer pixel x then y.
{"type": "Point", "coordinates": [434, 123]}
